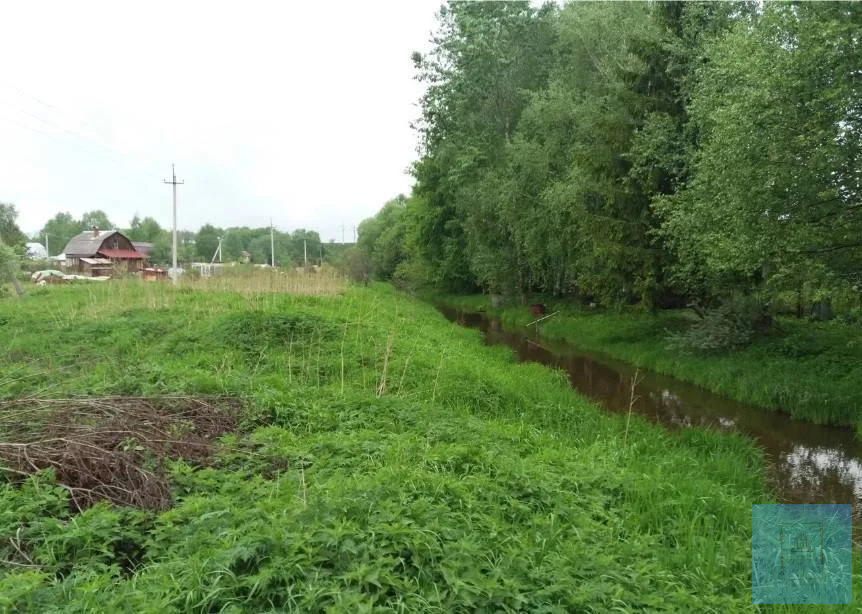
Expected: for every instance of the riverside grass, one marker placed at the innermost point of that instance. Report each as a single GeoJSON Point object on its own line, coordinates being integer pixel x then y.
{"type": "Point", "coordinates": [474, 484]}
{"type": "Point", "coordinates": [811, 370]}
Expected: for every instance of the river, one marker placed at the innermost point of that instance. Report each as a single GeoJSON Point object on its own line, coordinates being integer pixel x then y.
{"type": "Point", "coordinates": [807, 463]}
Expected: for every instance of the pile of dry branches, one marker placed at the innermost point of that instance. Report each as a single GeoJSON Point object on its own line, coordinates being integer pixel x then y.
{"type": "Point", "coordinates": [112, 448]}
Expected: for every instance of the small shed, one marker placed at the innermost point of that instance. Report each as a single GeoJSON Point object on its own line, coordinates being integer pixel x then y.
{"type": "Point", "coordinates": [97, 267]}
{"type": "Point", "coordinates": [153, 274]}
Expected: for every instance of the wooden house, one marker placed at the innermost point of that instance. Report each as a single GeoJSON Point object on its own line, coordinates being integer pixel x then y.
{"type": "Point", "coordinates": [102, 252]}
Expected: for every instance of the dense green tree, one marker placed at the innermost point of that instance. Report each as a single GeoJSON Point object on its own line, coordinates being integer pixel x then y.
{"type": "Point", "coordinates": [261, 250]}
{"type": "Point", "coordinates": [774, 198]}
{"type": "Point", "coordinates": [487, 58]}
{"type": "Point", "coordinates": [161, 252]}
{"type": "Point", "coordinates": [97, 218]}
{"type": "Point", "coordinates": [10, 234]}
{"type": "Point", "coordinates": [382, 237]}
{"type": "Point", "coordinates": [60, 229]}
{"type": "Point", "coordinates": [296, 245]}
{"type": "Point", "coordinates": [552, 142]}
{"type": "Point", "coordinates": [146, 229]}
{"type": "Point", "coordinates": [206, 242]}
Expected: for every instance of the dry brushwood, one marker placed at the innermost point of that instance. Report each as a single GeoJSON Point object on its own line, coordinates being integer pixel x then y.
{"type": "Point", "coordinates": [111, 448]}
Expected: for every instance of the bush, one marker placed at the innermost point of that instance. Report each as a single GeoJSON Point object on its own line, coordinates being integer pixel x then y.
{"type": "Point", "coordinates": [356, 265]}
{"type": "Point", "coordinates": [734, 323]}
{"type": "Point", "coordinates": [410, 275]}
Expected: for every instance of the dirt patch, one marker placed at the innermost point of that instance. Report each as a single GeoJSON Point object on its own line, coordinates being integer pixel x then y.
{"type": "Point", "coordinates": [112, 448]}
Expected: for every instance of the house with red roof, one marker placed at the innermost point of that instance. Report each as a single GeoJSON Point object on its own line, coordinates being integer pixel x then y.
{"type": "Point", "coordinates": [103, 253]}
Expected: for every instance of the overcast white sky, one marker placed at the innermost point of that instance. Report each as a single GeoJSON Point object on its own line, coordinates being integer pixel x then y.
{"type": "Point", "coordinates": [299, 111]}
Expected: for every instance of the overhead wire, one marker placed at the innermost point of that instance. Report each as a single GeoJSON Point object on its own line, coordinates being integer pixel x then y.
{"type": "Point", "coordinates": [81, 140]}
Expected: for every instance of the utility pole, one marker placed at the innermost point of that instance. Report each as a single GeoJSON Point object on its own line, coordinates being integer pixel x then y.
{"type": "Point", "coordinates": [320, 251]}
{"type": "Point", "coordinates": [217, 252]}
{"type": "Point", "coordinates": [272, 242]}
{"type": "Point", "coordinates": [354, 235]}
{"type": "Point", "coordinates": [47, 251]}
{"type": "Point", "coordinates": [342, 234]}
{"type": "Point", "coordinates": [305, 253]}
{"type": "Point", "coordinates": [173, 182]}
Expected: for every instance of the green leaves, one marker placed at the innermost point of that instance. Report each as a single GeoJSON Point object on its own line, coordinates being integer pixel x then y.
{"type": "Point", "coordinates": [770, 191]}
{"type": "Point", "coordinates": [625, 153]}
{"type": "Point", "coordinates": [10, 234]}
{"type": "Point", "coordinates": [473, 483]}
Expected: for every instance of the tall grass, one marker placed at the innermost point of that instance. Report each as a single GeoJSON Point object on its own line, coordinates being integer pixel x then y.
{"type": "Point", "coordinates": [478, 484]}
{"type": "Point", "coordinates": [255, 281]}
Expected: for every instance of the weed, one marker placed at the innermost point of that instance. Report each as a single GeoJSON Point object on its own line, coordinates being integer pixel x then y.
{"type": "Point", "coordinates": [480, 485]}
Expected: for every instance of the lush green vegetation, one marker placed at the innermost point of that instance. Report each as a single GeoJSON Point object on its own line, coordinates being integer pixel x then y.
{"type": "Point", "coordinates": [386, 459]}
{"type": "Point", "coordinates": [655, 154]}
{"type": "Point", "coordinates": [811, 370]}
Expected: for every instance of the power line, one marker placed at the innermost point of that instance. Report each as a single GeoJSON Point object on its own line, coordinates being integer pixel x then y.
{"type": "Point", "coordinates": [83, 139]}
{"type": "Point", "coordinates": [17, 123]}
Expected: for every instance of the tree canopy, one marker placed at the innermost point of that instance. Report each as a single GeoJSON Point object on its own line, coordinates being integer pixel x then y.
{"type": "Point", "coordinates": [10, 234]}
{"type": "Point", "coordinates": [654, 154]}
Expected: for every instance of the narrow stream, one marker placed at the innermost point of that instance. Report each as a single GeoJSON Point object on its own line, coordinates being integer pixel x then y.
{"type": "Point", "coordinates": [807, 463]}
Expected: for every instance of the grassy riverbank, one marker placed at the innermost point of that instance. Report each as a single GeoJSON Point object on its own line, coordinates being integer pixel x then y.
{"type": "Point", "coordinates": [383, 459]}
{"type": "Point", "coordinates": [812, 370]}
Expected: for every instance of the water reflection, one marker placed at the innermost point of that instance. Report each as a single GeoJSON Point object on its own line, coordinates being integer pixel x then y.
{"type": "Point", "coordinates": [807, 463]}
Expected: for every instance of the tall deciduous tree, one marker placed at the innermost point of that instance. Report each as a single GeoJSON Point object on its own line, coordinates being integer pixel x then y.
{"type": "Point", "coordinates": [146, 229]}
{"type": "Point", "coordinates": [10, 234]}
{"type": "Point", "coordinates": [206, 241]}
{"type": "Point", "coordinates": [774, 196]}
{"type": "Point", "coordinates": [97, 218]}
{"type": "Point", "coordinates": [60, 229]}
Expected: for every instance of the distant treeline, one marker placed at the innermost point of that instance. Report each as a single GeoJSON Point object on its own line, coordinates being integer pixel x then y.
{"type": "Point", "coordinates": [201, 245]}
{"type": "Point", "coordinates": [661, 154]}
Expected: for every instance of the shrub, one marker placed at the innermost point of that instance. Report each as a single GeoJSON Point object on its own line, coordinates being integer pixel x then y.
{"type": "Point", "coordinates": [356, 265]}
{"type": "Point", "coordinates": [734, 323]}
{"type": "Point", "coordinates": [410, 275]}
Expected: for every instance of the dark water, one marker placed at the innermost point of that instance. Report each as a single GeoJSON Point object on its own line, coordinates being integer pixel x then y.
{"type": "Point", "coordinates": [807, 463]}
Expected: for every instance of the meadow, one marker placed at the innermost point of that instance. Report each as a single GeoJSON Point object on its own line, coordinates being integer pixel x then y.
{"type": "Point", "coordinates": [810, 370]}
{"type": "Point", "coordinates": [367, 456]}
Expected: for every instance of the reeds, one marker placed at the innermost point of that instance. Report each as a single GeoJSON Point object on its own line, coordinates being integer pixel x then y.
{"type": "Point", "coordinates": [326, 281]}
{"type": "Point", "coordinates": [381, 386]}
{"type": "Point", "coordinates": [632, 400]}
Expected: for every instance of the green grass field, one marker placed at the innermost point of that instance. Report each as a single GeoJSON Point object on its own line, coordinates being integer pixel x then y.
{"type": "Point", "coordinates": [811, 370]}
{"type": "Point", "coordinates": [385, 460]}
